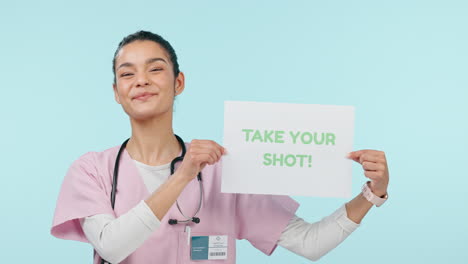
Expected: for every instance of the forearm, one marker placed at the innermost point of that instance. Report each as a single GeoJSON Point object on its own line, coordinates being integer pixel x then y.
{"type": "Point", "coordinates": [116, 238]}
{"type": "Point", "coordinates": [164, 197]}
{"type": "Point", "coordinates": [358, 207]}
{"type": "Point", "coordinates": [199, 154]}
{"type": "Point", "coordinates": [314, 240]}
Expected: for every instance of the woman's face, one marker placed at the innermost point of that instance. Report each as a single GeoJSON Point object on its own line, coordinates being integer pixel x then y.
{"type": "Point", "coordinates": [145, 83]}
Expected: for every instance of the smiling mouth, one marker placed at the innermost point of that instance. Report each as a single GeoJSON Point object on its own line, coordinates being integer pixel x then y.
{"type": "Point", "coordinates": [143, 97]}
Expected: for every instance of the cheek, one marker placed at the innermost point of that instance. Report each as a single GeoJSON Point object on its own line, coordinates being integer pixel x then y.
{"type": "Point", "coordinates": [166, 78]}
{"type": "Point", "coordinates": [123, 87]}
{"type": "Point", "coordinates": [166, 85]}
{"type": "Point", "coordinates": [122, 91]}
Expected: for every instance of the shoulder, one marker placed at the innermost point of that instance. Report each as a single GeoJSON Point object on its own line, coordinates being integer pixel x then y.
{"type": "Point", "coordinates": [94, 161]}
{"type": "Point", "coordinates": [96, 156]}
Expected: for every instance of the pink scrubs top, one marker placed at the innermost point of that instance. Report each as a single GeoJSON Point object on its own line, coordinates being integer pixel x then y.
{"type": "Point", "coordinates": [86, 191]}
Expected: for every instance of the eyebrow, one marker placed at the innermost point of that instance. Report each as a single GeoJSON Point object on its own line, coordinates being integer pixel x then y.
{"type": "Point", "coordinates": [148, 61]}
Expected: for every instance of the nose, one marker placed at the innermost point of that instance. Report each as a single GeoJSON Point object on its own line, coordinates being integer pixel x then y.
{"type": "Point", "coordinates": [142, 80]}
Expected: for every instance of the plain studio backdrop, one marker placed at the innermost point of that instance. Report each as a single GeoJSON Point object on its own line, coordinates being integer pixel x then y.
{"type": "Point", "coordinates": [402, 64]}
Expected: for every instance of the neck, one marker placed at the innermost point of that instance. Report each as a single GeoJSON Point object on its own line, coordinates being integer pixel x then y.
{"type": "Point", "coordinates": [153, 141]}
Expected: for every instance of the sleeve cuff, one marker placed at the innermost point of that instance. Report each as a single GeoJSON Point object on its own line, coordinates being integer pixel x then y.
{"type": "Point", "coordinates": [146, 215]}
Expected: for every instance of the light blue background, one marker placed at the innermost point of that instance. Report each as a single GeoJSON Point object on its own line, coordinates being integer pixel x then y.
{"type": "Point", "coordinates": [402, 64]}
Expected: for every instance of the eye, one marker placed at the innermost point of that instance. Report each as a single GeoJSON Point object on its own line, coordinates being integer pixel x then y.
{"type": "Point", "coordinates": [126, 74]}
{"type": "Point", "coordinates": [156, 69]}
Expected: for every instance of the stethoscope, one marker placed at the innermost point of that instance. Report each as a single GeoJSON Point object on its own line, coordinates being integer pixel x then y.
{"type": "Point", "coordinates": [194, 218]}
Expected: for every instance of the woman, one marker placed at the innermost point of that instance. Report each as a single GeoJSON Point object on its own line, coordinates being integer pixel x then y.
{"type": "Point", "coordinates": [142, 225]}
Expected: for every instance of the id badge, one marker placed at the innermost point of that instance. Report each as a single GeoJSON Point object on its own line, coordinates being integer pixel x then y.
{"type": "Point", "coordinates": [209, 247]}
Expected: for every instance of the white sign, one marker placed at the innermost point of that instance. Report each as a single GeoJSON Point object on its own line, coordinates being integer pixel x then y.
{"type": "Point", "coordinates": [291, 149]}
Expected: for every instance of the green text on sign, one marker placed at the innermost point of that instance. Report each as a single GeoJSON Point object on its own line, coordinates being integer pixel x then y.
{"type": "Point", "coordinates": [296, 137]}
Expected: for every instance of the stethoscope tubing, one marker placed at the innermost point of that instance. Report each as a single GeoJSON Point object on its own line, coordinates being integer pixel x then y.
{"type": "Point", "coordinates": [194, 219]}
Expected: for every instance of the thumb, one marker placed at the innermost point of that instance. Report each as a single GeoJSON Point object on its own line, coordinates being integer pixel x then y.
{"type": "Point", "coordinates": [355, 155]}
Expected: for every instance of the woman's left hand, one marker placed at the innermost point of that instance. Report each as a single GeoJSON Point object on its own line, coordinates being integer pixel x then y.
{"type": "Point", "coordinates": [375, 168]}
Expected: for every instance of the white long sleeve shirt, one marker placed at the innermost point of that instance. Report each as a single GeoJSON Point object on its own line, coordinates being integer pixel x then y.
{"type": "Point", "coordinates": [116, 238]}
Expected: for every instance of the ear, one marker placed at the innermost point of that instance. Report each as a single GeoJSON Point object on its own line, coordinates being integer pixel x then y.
{"type": "Point", "coordinates": [116, 94]}
{"type": "Point", "coordinates": [179, 83]}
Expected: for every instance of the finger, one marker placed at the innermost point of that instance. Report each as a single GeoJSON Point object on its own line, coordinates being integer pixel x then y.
{"type": "Point", "coordinates": [213, 146]}
{"type": "Point", "coordinates": [215, 150]}
{"type": "Point", "coordinates": [355, 155]}
{"type": "Point", "coordinates": [203, 152]}
{"type": "Point", "coordinates": [372, 157]}
{"type": "Point", "coordinates": [214, 156]}
{"type": "Point", "coordinates": [374, 175]}
{"type": "Point", "coordinates": [372, 166]}
{"type": "Point", "coordinates": [373, 151]}
{"type": "Point", "coordinates": [199, 146]}
{"type": "Point", "coordinates": [202, 166]}
{"type": "Point", "coordinates": [204, 158]}
{"type": "Point", "coordinates": [371, 175]}
{"type": "Point", "coordinates": [218, 148]}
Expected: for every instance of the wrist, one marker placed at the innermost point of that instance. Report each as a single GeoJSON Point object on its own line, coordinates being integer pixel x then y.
{"type": "Point", "coordinates": [182, 177]}
{"type": "Point", "coordinates": [377, 199]}
{"type": "Point", "coordinates": [379, 194]}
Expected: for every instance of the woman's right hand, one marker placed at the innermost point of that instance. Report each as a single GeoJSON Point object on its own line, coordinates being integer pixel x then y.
{"type": "Point", "coordinates": [199, 153]}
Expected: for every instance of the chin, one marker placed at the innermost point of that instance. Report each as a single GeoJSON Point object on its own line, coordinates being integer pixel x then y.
{"type": "Point", "coordinates": [148, 114]}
